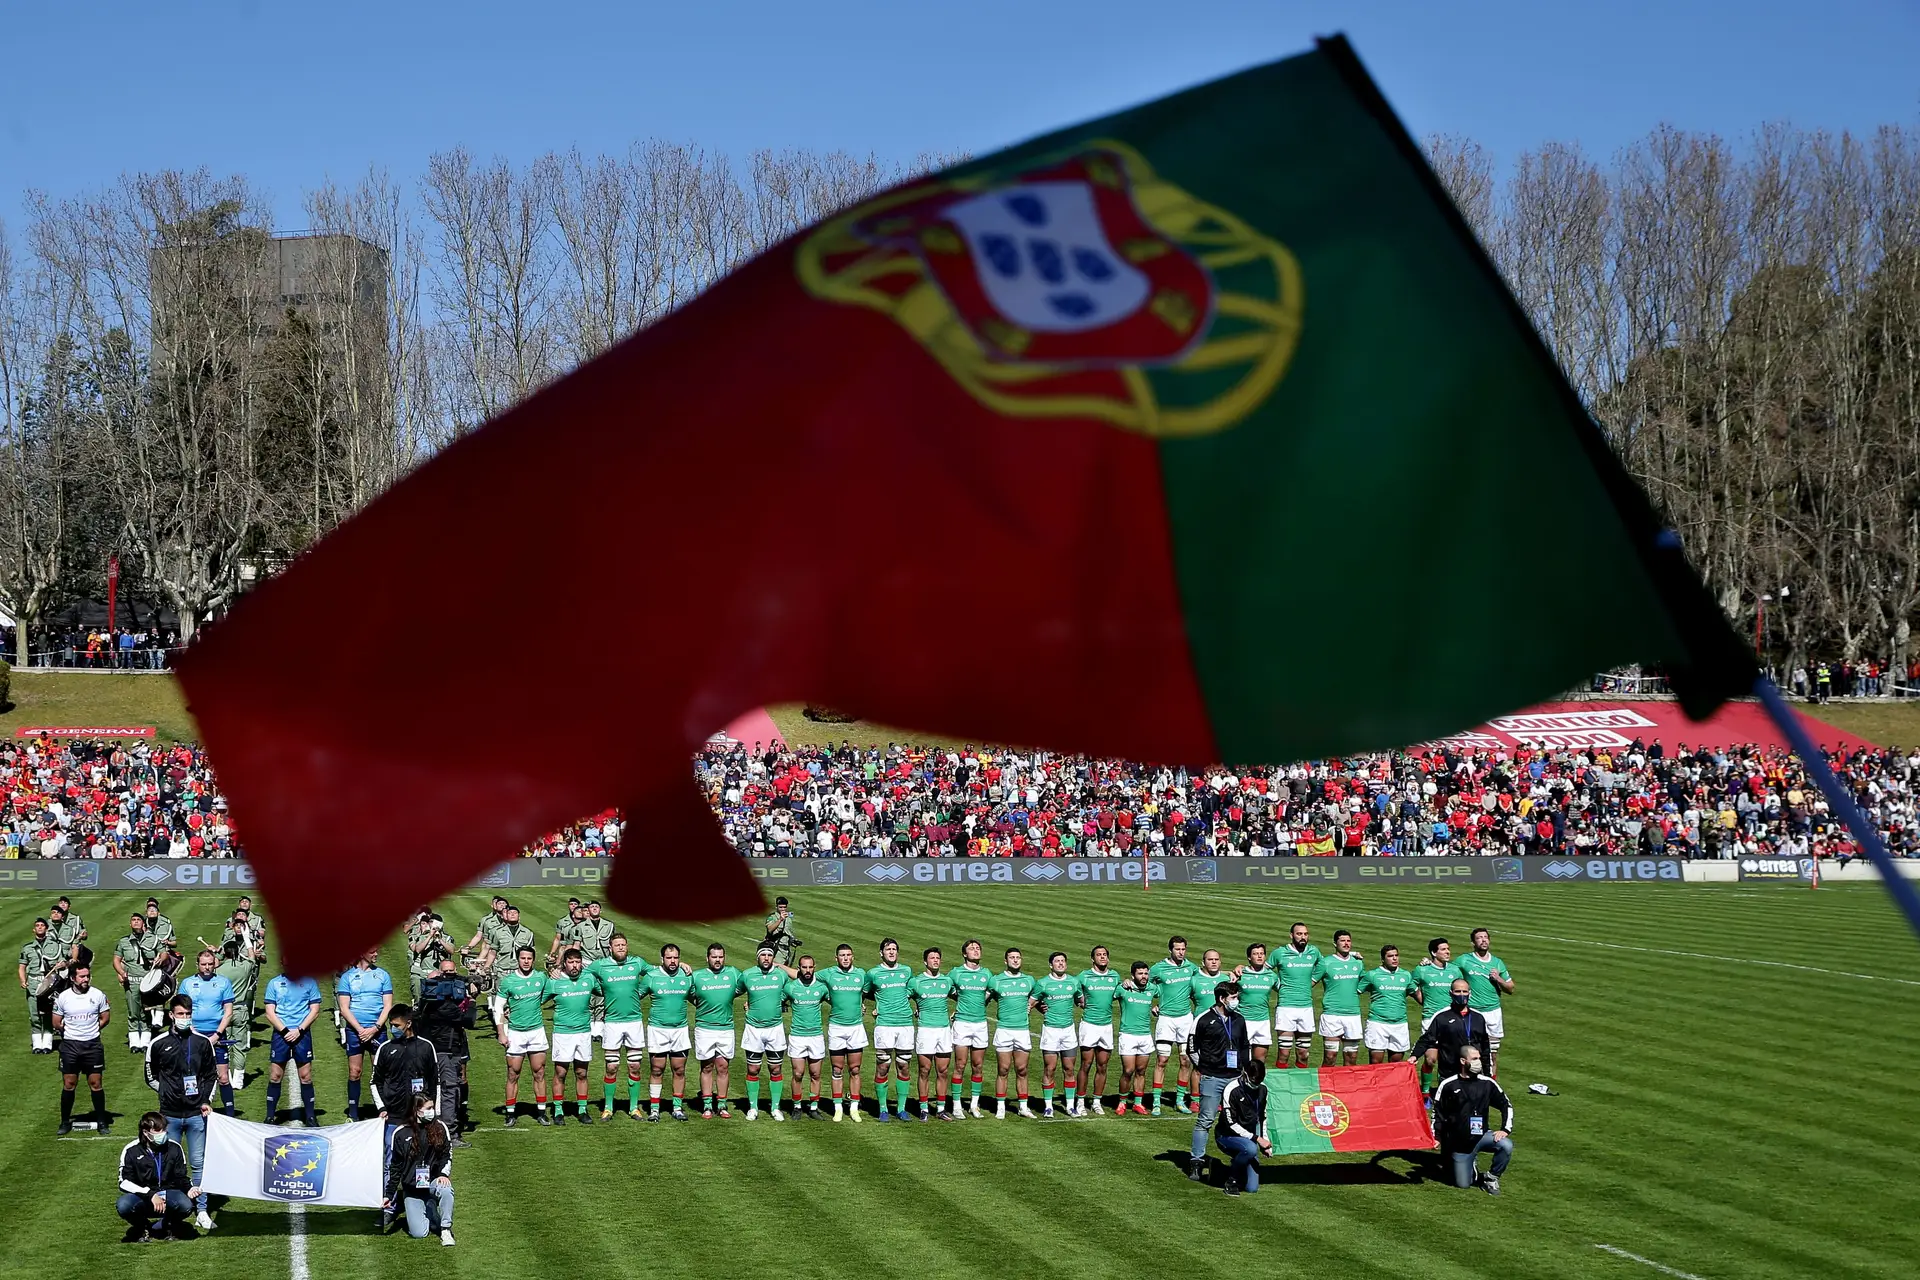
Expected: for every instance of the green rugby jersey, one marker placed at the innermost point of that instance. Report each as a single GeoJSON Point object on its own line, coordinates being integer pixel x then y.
{"type": "Point", "coordinates": [669, 992]}
{"type": "Point", "coordinates": [1256, 992]}
{"type": "Point", "coordinates": [1012, 991]}
{"type": "Point", "coordinates": [888, 985]}
{"type": "Point", "coordinates": [1389, 988]}
{"type": "Point", "coordinates": [805, 998]}
{"type": "Point", "coordinates": [713, 993]}
{"type": "Point", "coordinates": [1340, 983]}
{"type": "Point", "coordinates": [1136, 1009]}
{"type": "Point", "coordinates": [845, 989]}
{"type": "Point", "coordinates": [571, 998]}
{"type": "Point", "coordinates": [1174, 984]}
{"type": "Point", "coordinates": [1202, 984]}
{"type": "Point", "coordinates": [970, 987]}
{"type": "Point", "coordinates": [931, 992]}
{"type": "Point", "coordinates": [621, 984]}
{"type": "Point", "coordinates": [1297, 970]}
{"type": "Point", "coordinates": [1098, 986]}
{"type": "Point", "coordinates": [1056, 999]}
{"type": "Point", "coordinates": [1482, 995]}
{"type": "Point", "coordinates": [766, 995]}
{"type": "Point", "coordinates": [524, 994]}
{"type": "Point", "coordinates": [1433, 984]}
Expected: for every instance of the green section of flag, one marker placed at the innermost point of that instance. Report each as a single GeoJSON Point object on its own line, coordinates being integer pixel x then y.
{"type": "Point", "coordinates": [1287, 1092]}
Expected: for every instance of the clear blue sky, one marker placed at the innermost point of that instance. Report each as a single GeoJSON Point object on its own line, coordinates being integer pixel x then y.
{"type": "Point", "coordinates": [289, 94]}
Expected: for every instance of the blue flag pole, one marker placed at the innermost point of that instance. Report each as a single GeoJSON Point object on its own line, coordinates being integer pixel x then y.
{"type": "Point", "coordinates": [1904, 894]}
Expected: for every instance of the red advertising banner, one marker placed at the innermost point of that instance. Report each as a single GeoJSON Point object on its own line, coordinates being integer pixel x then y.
{"type": "Point", "coordinates": [70, 731]}
{"type": "Point", "coordinates": [1558, 726]}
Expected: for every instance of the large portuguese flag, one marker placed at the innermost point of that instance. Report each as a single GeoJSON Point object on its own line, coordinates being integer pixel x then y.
{"type": "Point", "coordinates": [1347, 1109]}
{"type": "Point", "coordinates": [1204, 431]}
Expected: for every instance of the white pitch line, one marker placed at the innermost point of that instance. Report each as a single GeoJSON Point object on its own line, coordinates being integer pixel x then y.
{"type": "Point", "coordinates": [297, 1242]}
{"type": "Point", "coordinates": [1621, 946]}
{"type": "Point", "coordinates": [1649, 1262]}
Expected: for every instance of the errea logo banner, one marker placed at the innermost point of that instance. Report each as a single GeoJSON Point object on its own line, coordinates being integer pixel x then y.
{"type": "Point", "coordinates": [1567, 870]}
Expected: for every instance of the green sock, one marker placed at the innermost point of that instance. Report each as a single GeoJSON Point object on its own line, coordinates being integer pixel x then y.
{"type": "Point", "coordinates": [1070, 1096]}
{"type": "Point", "coordinates": [1139, 1099]}
{"type": "Point", "coordinates": [1181, 1098]}
{"type": "Point", "coordinates": [607, 1093]}
{"type": "Point", "coordinates": [1046, 1095]}
{"type": "Point", "coordinates": [978, 1086]}
{"type": "Point", "coordinates": [753, 1095]}
{"type": "Point", "coordinates": [774, 1088]}
{"type": "Point", "coordinates": [900, 1091]}
{"type": "Point", "coordinates": [706, 1102]}
{"type": "Point", "coordinates": [633, 1096]}
{"type": "Point", "coordinates": [954, 1093]}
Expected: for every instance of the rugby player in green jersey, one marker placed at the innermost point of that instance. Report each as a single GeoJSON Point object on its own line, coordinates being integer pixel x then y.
{"type": "Point", "coordinates": [571, 991]}
{"type": "Point", "coordinates": [619, 979]}
{"type": "Point", "coordinates": [1257, 981]}
{"type": "Point", "coordinates": [1206, 982]}
{"type": "Point", "coordinates": [1012, 991]}
{"type": "Point", "coordinates": [1138, 1003]}
{"type": "Point", "coordinates": [1387, 1010]}
{"type": "Point", "coordinates": [523, 1034]}
{"type": "Point", "coordinates": [714, 990]}
{"type": "Point", "coordinates": [807, 1038]}
{"type": "Point", "coordinates": [1339, 979]}
{"type": "Point", "coordinates": [765, 1040]}
{"type": "Point", "coordinates": [1433, 979]}
{"type": "Point", "coordinates": [846, 1028]}
{"type": "Point", "coordinates": [669, 983]}
{"type": "Point", "coordinates": [933, 1041]}
{"type": "Point", "coordinates": [971, 982]}
{"type": "Point", "coordinates": [1097, 986]}
{"type": "Point", "coordinates": [1056, 995]}
{"type": "Point", "coordinates": [1297, 961]}
{"type": "Point", "coordinates": [1487, 978]}
{"type": "Point", "coordinates": [892, 1027]}
{"type": "Point", "coordinates": [1173, 982]}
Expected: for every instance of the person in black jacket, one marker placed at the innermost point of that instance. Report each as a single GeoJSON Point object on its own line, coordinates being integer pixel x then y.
{"type": "Point", "coordinates": [1451, 1031]}
{"type": "Point", "coordinates": [448, 1002]}
{"type": "Point", "coordinates": [1242, 1132]}
{"type": "Point", "coordinates": [404, 1067]}
{"type": "Point", "coordinates": [420, 1174]}
{"type": "Point", "coordinates": [1461, 1123]}
{"type": "Point", "coordinates": [180, 1068]}
{"type": "Point", "coordinates": [1218, 1048]}
{"type": "Point", "coordinates": [154, 1183]}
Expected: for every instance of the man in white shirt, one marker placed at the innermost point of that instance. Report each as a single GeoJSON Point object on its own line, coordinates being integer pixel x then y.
{"type": "Point", "coordinates": [79, 1014]}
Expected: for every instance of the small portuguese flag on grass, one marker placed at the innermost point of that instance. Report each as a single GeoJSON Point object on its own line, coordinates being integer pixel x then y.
{"type": "Point", "coordinates": [1204, 431]}
{"type": "Point", "coordinates": [1347, 1109]}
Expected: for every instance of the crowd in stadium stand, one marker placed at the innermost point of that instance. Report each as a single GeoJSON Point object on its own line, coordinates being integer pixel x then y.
{"type": "Point", "coordinates": [88, 799]}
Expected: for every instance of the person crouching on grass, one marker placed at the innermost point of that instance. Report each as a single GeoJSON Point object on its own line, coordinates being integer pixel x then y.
{"type": "Point", "coordinates": [420, 1174]}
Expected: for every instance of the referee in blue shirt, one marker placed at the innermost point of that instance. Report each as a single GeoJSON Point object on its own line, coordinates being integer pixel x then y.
{"type": "Point", "coordinates": [365, 994]}
{"type": "Point", "coordinates": [212, 997]}
{"type": "Point", "coordinates": [292, 1005]}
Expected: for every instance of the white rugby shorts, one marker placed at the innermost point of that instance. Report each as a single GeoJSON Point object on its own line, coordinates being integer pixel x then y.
{"type": "Point", "coordinates": [712, 1043]}
{"type": "Point", "coordinates": [1135, 1046]}
{"type": "Point", "coordinates": [1058, 1040]}
{"type": "Point", "coordinates": [666, 1040]}
{"type": "Point", "coordinates": [846, 1039]}
{"type": "Point", "coordinates": [811, 1048]}
{"type": "Point", "coordinates": [1173, 1030]}
{"type": "Point", "coordinates": [1340, 1026]}
{"type": "Point", "coordinates": [572, 1046]}
{"type": "Point", "coordinates": [1259, 1032]}
{"type": "Point", "coordinates": [764, 1040]}
{"type": "Point", "coordinates": [933, 1042]}
{"type": "Point", "coordinates": [893, 1039]}
{"type": "Point", "coordinates": [1096, 1035]}
{"type": "Point", "coordinates": [522, 1043]}
{"type": "Point", "coordinates": [1007, 1039]}
{"type": "Point", "coordinates": [623, 1035]}
{"type": "Point", "coordinates": [971, 1035]}
{"type": "Point", "coordinates": [1296, 1021]}
{"type": "Point", "coordinates": [1389, 1037]}
{"type": "Point", "coordinates": [1496, 1022]}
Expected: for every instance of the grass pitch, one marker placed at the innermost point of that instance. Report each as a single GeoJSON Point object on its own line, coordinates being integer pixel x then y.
{"type": "Point", "coordinates": [1732, 1065]}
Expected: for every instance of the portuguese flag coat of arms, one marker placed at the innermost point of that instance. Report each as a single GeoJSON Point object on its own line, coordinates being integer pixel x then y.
{"type": "Point", "coordinates": [1347, 1109]}
{"type": "Point", "coordinates": [1201, 432]}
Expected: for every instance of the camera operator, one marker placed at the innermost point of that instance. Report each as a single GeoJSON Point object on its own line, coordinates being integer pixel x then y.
{"type": "Point", "coordinates": [448, 1002]}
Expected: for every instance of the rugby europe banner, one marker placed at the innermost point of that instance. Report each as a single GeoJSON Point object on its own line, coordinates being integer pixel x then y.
{"type": "Point", "coordinates": [1347, 1109]}
{"type": "Point", "coordinates": [337, 1164]}
{"type": "Point", "coordinates": [1135, 375]}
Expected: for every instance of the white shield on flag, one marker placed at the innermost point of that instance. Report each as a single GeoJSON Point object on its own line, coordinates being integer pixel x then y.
{"type": "Point", "coordinates": [1323, 1115]}
{"type": "Point", "coordinates": [1044, 260]}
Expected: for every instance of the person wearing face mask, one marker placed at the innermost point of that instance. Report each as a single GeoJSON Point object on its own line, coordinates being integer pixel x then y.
{"type": "Point", "coordinates": [1452, 1030]}
{"type": "Point", "coordinates": [181, 1069]}
{"type": "Point", "coordinates": [1242, 1132]}
{"type": "Point", "coordinates": [156, 1185]}
{"type": "Point", "coordinates": [1463, 1128]}
{"type": "Point", "coordinates": [404, 1067]}
{"type": "Point", "coordinates": [420, 1174]}
{"type": "Point", "coordinates": [1218, 1048]}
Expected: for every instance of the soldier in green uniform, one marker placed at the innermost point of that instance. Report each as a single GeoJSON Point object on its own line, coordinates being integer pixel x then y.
{"type": "Point", "coordinates": [595, 940]}
{"type": "Point", "coordinates": [38, 958]}
{"type": "Point", "coordinates": [566, 931]}
{"type": "Point", "coordinates": [779, 931]}
{"type": "Point", "coordinates": [242, 972]}
{"type": "Point", "coordinates": [426, 951]}
{"type": "Point", "coordinates": [67, 931]}
{"type": "Point", "coordinates": [133, 956]}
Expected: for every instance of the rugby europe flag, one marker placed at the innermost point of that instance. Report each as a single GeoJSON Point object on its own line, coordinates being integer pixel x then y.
{"type": "Point", "coordinates": [338, 1164]}
{"type": "Point", "coordinates": [1347, 1109]}
{"type": "Point", "coordinates": [1204, 431]}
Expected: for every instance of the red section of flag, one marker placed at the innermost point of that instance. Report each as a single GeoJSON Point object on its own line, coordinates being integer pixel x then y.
{"type": "Point", "coordinates": [1382, 1108]}
{"type": "Point", "coordinates": [893, 548]}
